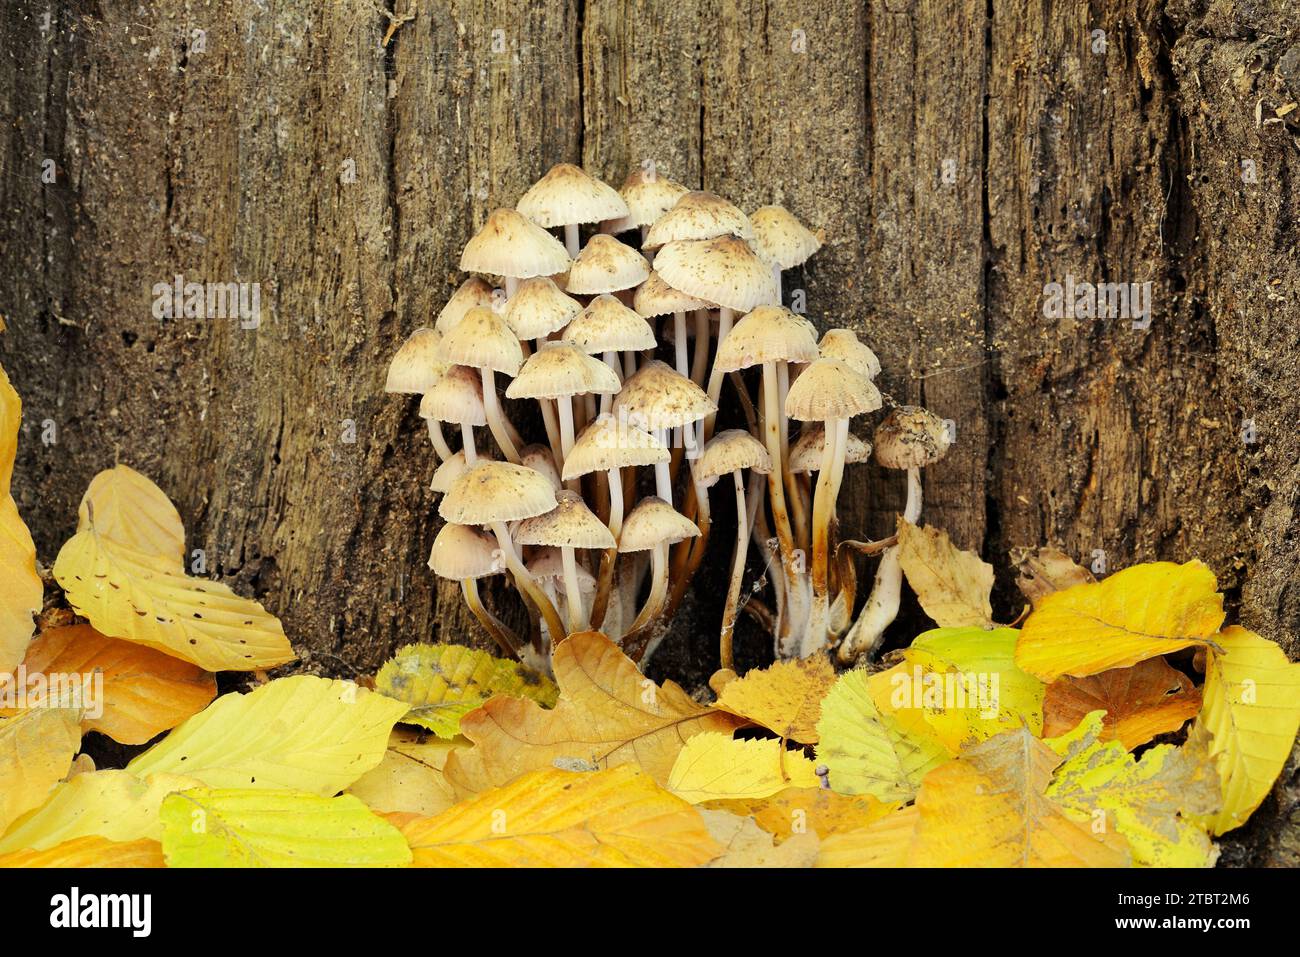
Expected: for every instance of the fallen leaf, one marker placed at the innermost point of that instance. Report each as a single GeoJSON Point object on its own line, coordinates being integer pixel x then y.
{"type": "Point", "coordinates": [128, 509]}
{"type": "Point", "coordinates": [21, 590]}
{"type": "Point", "coordinates": [90, 851]}
{"type": "Point", "coordinates": [1138, 613]}
{"type": "Point", "coordinates": [713, 766]}
{"type": "Point", "coordinates": [36, 751]}
{"type": "Point", "coordinates": [553, 818]}
{"type": "Point", "coordinates": [799, 810]}
{"type": "Point", "coordinates": [1049, 570]}
{"type": "Point", "coordinates": [952, 585]}
{"type": "Point", "coordinates": [299, 733]}
{"type": "Point", "coordinates": [785, 698]}
{"type": "Point", "coordinates": [206, 827]}
{"type": "Point", "coordinates": [1140, 702]}
{"type": "Point", "coordinates": [748, 845]}
{"type": "Point", "coordinates": [443, 683]}
{"type": "Point", "coordinates": [886, 842]}
{"type": "Point", "coordinates": [409, 778]}
{"type": "Point", "coordinates": [608, 714]}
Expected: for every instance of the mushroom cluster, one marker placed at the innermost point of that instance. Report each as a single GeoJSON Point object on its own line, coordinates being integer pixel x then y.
{"type": "Point", "coordinates": [629, 412]}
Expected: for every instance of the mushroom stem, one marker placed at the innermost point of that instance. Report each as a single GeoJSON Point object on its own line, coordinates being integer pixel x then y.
{"type": "Point", "coordinates": [794, 613]}
{"type": "Point", "coordinates": [439, 440]}
{"type": "Point", "coordinates": [798, 512]}
{"type": "Point", "coordinates": [663, 480]}
{"type": "Point", "coordinates": [700, 361]}
{"type": "Point", "coordinates": [572, 594]}
{"type": "Point", "coordinates": [636, 639]}
{"type": "Point", "coordinates": [496, 420]}
{"type": "Point", "coordinates": [571, 239]}
{"type": "Point", "coordinates": [467, 443]}
{"type": "Point", "coordinates": [886, 592]}
{"type": "Point", "coordinates": [834, 445]}
{"type": "Point", "coordinates": [776, 281]}
{"type": "Point", "coordinates": [527, 584]}
{"type": "Point", "coordinates": [548, 410]}
{"type": "Point", "coordinates": [607, 399]}
{"type": "Point", "coordinates": [609, 558]}
{"type": "Point", "coordinates": [565, 404]}
{"type": "Point", "coordinates": [506, 639]}
{"type": "Point", "coordinates": [725, 317]}
{"type": "Point", "coordinates": [732, 606]}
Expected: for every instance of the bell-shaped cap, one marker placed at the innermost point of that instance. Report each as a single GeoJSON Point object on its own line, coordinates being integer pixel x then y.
{"type": "Point", "coordinates": [472, 292]}
{"type": "Point", "coordinates": [559, 370]}
{"type": "Point", "coordinates": [911, 437]}
{"type": "Point", "coordinates": [767, 334]}
{"type": "Point", "coordinates": [653, 523]}
{"type": "Point", "coordinates": [461, 552]}
{"type": "Point", "coordinates": [731, 451]}
{"type": "Point", "coordinates": [511, 245]}
{"type": "Point", "coordinates": [606, 265]}
{"type": "Point", "coordinates": [567, 195]}
{"type": "Point", "coordinates": [698, 215]}
{"type": "Point", "coordinates": [539, 308]}
{"type": "Point", "coordinates": [539, 459]}
{"type": "Point", "coordinates": [780, 239]}
{"type": "Point", "coordinates": [606, 325]}
{"type": "Point", "coordinates": [828, 389]}
{"type": "Point", "coordinates": [456, 397]}
{"type": "Point", "coordinates": [656, 397]}
{"type": "Point", "coordinates": [654, 297]}
{"type": "Point", "coordinates": [416, 366]}
{"type": "Point", "coordinates": [843, 344]}
{"type": "Point", "coordinates": [569, 525]}
{"type": "Point", "coordinates": [482, 340]}
{"type": "Point", "coordinates": [723, 270]}
{"type": "Point", "coordinates": [496, 492]}
{"type": "Point", "coordinates": [548, 565]}
{"type": "Point", "coordinates": [610, 443]}
{"type": "Point", "coordinates": [447, 473]}
{"type": "Point", "coordinates": [648, 196]}
{"type": "Point", "coordinates": [807, 453]}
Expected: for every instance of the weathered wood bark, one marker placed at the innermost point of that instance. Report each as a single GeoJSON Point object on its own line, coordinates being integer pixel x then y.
{"type": "Point", "coordinates": [958, 154]}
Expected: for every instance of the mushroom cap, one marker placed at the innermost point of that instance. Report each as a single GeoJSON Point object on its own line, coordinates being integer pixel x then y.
{"type": "Point", "coordinates": [548, 564]}
{"type": "Point", "coordinates": [698, 215]}
{"type": "Point", "coordinates": [654, 522]}
{"type": "Point", "coordinates": [539, 459]}
{"type": "Point", "coordinates": [472, 292]}
{"type": "Point", "coordinates": [829, 389]}
{"type": "Point", "coordinates": [568, 194]}
{"type": "Point", "coordinates": [606, 265]}
{"type": "Point", "coordinates": [606, 325]}
{"type": "Point", "coordinates": [559, 370]}
{"type": "Point", "coordinates": [461, 552]}
{"type": "Point", "coordinates": [730, 451]}
{"type": "Point", "coordinates": [456, 397]}
{"type": "Point", "coordinates": [496, 492]}
{"type": "Point", "coordinates": [648, 196]}
{"type": "Point", "coordinates": [781, 239]}
{"type": "Point", "coordinates": [654, 297]}
{"type": "Point", "coordinates": [843, 344]}
{"type": "Point", "coordinates": [446, 473]}
{"type": "Point", "coordinates": [911, 437]}
{"type": "Point", "coordinates": [510, 245]}
{"type": "Point", "coordinates": [416, 366]}
{"type": "Point", "coordinates": [657, 397]}
{"type": "Point", "coordinates": [610, 443]}
{"type": "Point", "coordinates": [723, 270]}
{"type": "Point", "coordinates": [482, 340]}
{"type": "Point", "coordinates": [807, 452]}
{"type": "Point", "coordinates": [767, 334]}
{"type": "Point", "coordinates": [569, 525]}
{"type": "Point", "coordinates": [538, 308]}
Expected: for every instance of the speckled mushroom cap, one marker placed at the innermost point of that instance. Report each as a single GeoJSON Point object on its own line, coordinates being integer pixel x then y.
{"type": "Point", "coordinates": [560, 370]}
{"type": "Point", "coordinates": [781, 239]}
{"type": "Point", "coordinates": [731, 451]}
{"type": "Point", "coordinates": [767, 334]}
{"type": "Point", "coordinates": [723, 270]}
{"type": "Point", "coordinates": [538, 308]}
{"type": "Point", "coordinates": [456, 397]}
{"type": "Point", "coordinates": [482, 340]}
{"type": "Point", "coordinates": [657, 397]}
{"type": "Point", "coordinates": [654, 297]}
{"type": "Point", "coordinates": [462, 552]}
{"type": "Point", "coordinates": [447, 473]}
{"type": "Point", "coordinates": [606, 325]}
{"type": "Point", "coordinates": [539, 459]}
{"type": "Point", "coordinates": [606, 265]}
{"type": "Point", "coordinates": [548, 565]}
{"type": "Point", "coordinates": [807, 453]}
{"type": "Point", "coordinates": [698, 215]}
{"type": "Point", "coordinates": [911, 437]}
{"type": "Point", "coordinates": [608, 443]}
{"type": "Point", "coordinates": [829, 389]}
{"type": "Point", "coordinates": [496, 492]}
{"type": "Point", "coordinates": [652, 523]}
{"type": "Point", "coordinates": [648, 196]}
{"type": "Point", "coordinates": [569, 525]}
{"type": "Point", "coordinates": [511, 245]}
{"type": "Point", "coordinates": [568, 195]}
{"type": "Point", "coordinates": [472, 292]}
{"type": "Point", "coordinates": [843, 344]}
{"type": "Point", "coordinates": [416, 365]}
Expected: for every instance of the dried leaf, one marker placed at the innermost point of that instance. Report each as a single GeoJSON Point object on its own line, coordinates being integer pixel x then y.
{"type": "Point", "coordinates": [128, 509]}
{"type": "Point", "coordinates": [1140, 702]}
{"type": "Point", "coordinates": [952, 585]}
{"type": "Point", "coordinates": [36, 750]}
{"type": "Point", "coordinates": [90, 851]}
{"type": "Point", "coordinates": [1049, 570]}
{"type": "Point", "coordinates": [884, 843]}
{"type": "Point", "coordinates": [714, 766]}
{"type": "Point", "coordinates": [799, 810]}
{"type": "Point", "coordinates": [785, 698]}
{"type": "Point", "coordinates": [21, 590]}
{"type": "Point", "coordinates": [748, 845]}
{"type": "Point", "coordinates": [409, 779]}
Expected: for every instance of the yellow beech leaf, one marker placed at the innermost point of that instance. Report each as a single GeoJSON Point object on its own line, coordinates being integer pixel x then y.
{"type": "Point", "coordinates": [553, 818]}
{"type": "Point", "coordinates": [1135, 614]}
{"type": "Point", "coordinates": [36, 751]}
{"type": "Point", "coordinates": [952, 585]}
{"type": "Point", "coordinates": [442, 683]}
{"type": "Point", "coordinates": [111, 804]}
{"type": "Point", "coordinates": [299, 733]}
{"type": "Point", "coordinates": [90, 851]}
{"type": "Point", "coordinates": [1251, 709]}
{"type": "Point", "coordinates": [409, 778]}
{"type": "Point", "coordinates": [989, 808]}
{"type": "Point", "coordinates": [608, 714]}
{"type": "Point", "coordinates": [867, 752]}
{"type": "Point", "coordinates": [800, 810]}
{"type": "Point", "coordinates": [1046, 571]}
{"type": "Point", "coordinates": [886, 842]}
{"type": "Point", "coordinates": [785, 698]}
{"type": "Point", "coordinates": [128, 509]}
{"type": "Point", "coordinates": [748, 845]}
{"type": "Point", "coordinates": [207, 827]}
{"type": "Point", "coordinates": [713, 766]}
{"type": "Point", "coordinates": [143, 692]}
{"type": "Point", "coordinates": [1140, 702]}
{"type": "Point", "coordinates": [1152, 802]}
{"type": "Point", "coordinates": [21, 590]}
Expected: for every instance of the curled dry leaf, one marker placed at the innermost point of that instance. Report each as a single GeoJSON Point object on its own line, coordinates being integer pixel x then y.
{"type": "Point", "coordinates": [785, 698]}
{"type": "Point", "coordinates": [1140, 702]}
{"type": "Point", "coordinates": [409, 779]}
{"type": "Point", "coordinates": [952, 585]}
{"type": "Point", "coordinates": [1046, 571]}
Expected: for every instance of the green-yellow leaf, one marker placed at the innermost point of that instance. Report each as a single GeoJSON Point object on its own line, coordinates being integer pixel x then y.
{"type": "Point", "coordinates": [36, 751]}
{"type": "Point", "coordinates": [714, 766]}
{"type": "Point", "coordinates": [299, 733]}
{"type": "Point", "coordinates": [204, 827]}
{"type": "Point", "coordinates": [443, 683]}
